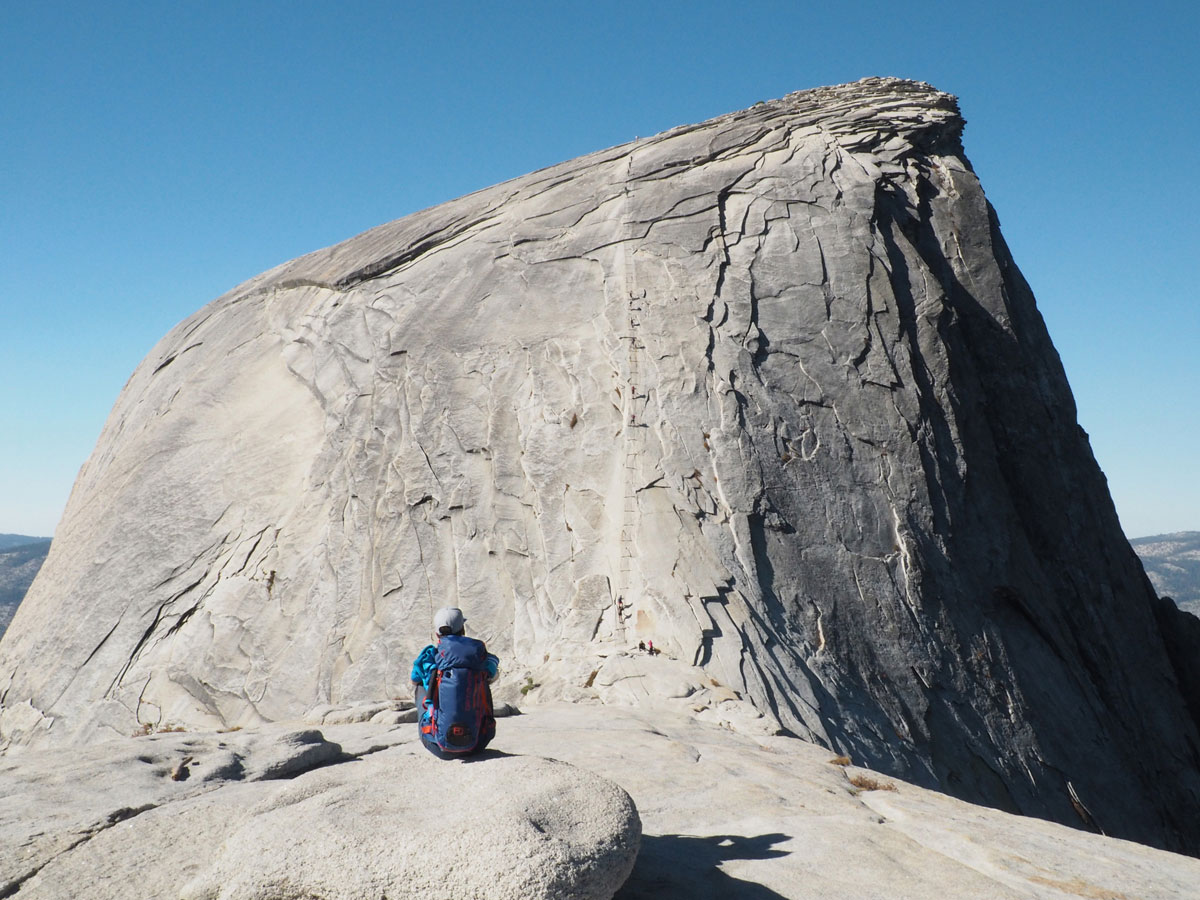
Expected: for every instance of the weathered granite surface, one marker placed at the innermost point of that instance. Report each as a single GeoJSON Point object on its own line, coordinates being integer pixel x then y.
{"type": "Point", "coordinates": [773, 381]}
{"type": "Point", "coordinates": [724, 816]}
{"type": "Point", "coordinates": [257, 814]}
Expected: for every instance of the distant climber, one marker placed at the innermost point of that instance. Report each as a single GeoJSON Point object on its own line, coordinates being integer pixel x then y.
{"type": "Point", "coordinates": [650, 647]}
{"type": "Point", "coordinates": [451, 688]}
{"type": "Point", "coordinates": [642, 646]}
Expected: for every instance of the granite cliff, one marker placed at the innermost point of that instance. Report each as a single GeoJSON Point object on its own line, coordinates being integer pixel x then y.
{"type": "Point", "coordinates": [771, 384]}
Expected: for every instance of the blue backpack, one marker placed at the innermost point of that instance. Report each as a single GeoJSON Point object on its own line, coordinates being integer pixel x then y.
{"type": "Point", "coordinates": [459, 707]}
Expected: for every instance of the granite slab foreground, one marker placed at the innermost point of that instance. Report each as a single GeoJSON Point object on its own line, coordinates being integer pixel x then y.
{"type": "Point", "coordinates": [725, 815]}
{"type": "Point", "coordinates": [378, 819]}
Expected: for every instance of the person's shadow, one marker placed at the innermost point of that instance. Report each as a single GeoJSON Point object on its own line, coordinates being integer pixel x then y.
{"type": "Point", "coordinates": [686, 867]}
{"type": "Point", "coordinates": [485, 755]}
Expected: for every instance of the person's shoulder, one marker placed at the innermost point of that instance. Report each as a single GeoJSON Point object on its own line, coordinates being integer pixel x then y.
{"type": "Point", "coordinates": [483, 646]}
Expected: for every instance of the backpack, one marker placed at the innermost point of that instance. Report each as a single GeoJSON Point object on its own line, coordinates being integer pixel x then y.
{"type": "Point", "coordinates": [459, 705]}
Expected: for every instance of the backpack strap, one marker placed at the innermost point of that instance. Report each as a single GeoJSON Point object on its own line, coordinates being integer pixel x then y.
{"type": "Point", "coordinates": [431, 700]}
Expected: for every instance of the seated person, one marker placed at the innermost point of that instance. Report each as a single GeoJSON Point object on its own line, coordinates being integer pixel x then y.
{"type": "Point", "coordinates": [451, 688]}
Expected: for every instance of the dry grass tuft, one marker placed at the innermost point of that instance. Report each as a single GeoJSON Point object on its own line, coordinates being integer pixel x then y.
{"type": "Point", "coordinates": [867, 783]}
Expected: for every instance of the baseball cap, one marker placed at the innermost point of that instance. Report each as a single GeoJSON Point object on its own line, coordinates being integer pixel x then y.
{"type": "Point", "coordinates": [449, 620]}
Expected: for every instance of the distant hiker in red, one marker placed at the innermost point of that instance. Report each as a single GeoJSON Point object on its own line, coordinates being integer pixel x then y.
{"type": "Point", "coordinates": [451, 688]}
{"type": "Point", "coordinates": [650, 647]}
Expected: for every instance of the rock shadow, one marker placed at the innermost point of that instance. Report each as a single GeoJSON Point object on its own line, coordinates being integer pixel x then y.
{"type": "Point", "coordinates": [477, 756]}
{"type": "Point", "coordinates": [688, 867]}
{"type": "Point", "coordinates": [484, 755]}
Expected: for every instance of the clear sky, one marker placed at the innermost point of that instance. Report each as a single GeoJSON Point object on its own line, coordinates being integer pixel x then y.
{"type": "Point", "coordinates": [154, 155]}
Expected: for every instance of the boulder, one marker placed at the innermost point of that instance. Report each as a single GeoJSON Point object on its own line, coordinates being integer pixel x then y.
{"type": "Point", "coordinates": [502, 827]}
{"type": "Point", "coordinates": [392, 821]}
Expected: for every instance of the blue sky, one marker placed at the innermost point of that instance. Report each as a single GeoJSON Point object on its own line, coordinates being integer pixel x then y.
{"type": "Point", "coordinates": [155, 155]}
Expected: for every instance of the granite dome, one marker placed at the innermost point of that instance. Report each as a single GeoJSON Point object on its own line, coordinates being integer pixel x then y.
{"type": "Point", "coordinates": [772, 381]}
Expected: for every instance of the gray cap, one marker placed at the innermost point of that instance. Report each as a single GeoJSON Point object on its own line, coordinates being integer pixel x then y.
{"type": "Point", "coordinates": [451, 618]}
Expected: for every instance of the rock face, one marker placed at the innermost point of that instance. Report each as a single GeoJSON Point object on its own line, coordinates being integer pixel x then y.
{"type": "Point", "coordinates": [771, 382]}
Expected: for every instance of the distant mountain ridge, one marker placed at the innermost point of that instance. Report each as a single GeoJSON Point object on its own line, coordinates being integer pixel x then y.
{"type": "Point", "coordinates": [1172, 561]}
{"type": "Point", "coordinates": [21, 557]}
{"type": "Point", "coordinates": [8, 541]}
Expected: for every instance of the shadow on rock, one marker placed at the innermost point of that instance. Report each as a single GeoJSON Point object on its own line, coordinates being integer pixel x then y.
{"type": "Point", "coordinates": [689, 867]}
{"type": "Point", "coordinates": [484, 755]}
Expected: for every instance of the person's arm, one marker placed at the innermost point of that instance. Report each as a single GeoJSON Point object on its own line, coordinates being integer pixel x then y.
{"type": "Point", "coordinates": [493, 666]}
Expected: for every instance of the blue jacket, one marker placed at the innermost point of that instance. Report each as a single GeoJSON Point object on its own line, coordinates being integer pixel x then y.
{"type": "Point", "coordinates": [425, 664]}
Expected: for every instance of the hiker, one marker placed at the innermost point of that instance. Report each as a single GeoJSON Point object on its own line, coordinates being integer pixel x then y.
{"type": "Point", "coordinates": [650, 647]}
{"type": "Point", "coordinates": [642, 646]}
{"type": "Point", "coordinates": [451, 688]}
